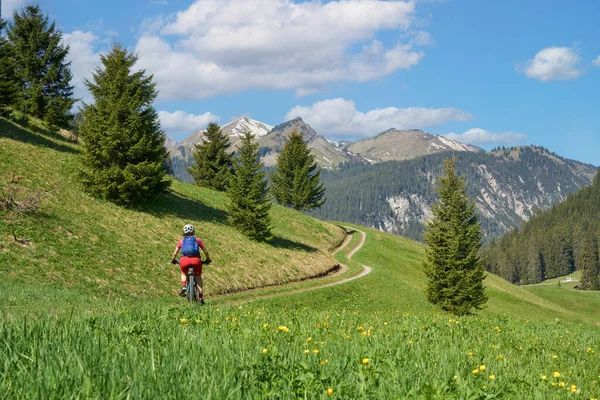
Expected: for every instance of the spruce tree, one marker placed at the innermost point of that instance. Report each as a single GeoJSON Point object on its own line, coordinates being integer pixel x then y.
{"type": "Point", "coordinates": [124, 155]}
{"type": "Point", "coordinates": [43, 74]}
{"type": "Point", "coordinates": [8, 78]}
{"type": "Point", "coordinates": [590, 267]}
{"type": "Point", "coordinates": [213, 161]}
{"type": "Point", "coordinates": [249, 205]}
{"type": "Point", "coordinates": [454, 271]}
{"type": "Point", "coordinates": [296, 181]}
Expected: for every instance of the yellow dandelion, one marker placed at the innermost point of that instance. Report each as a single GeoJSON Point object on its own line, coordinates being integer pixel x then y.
{"type": "Point", "coordinates": [365, 361]}
{"type": "Point", "coordinates": [322, 362]}
{"type": "Point", "coordinates": [470, 354]}
{"type": "Point", "coordinates": [309, 339]}
{"type": "Point", "coordinates": [329, 391]}
{"type": "Point", "coordinates": [316, 351]}
{"type": "Point", "coordinates": [455, 377]}
{"type": "Point", "coordinates": [283, 328]}
{"type": "Point", "coordinates": [543, 377]}
{"type": "Point", "coordinates": [492, 376]}
{"type": "Point", "coordinates": [410, 342]}
{"type": "Point", "coordinates": [182, 320]}
{"type": "Point", "coordinates": [475, 371]}
{"type": "Point", "coordinates": [500, 357]}
{"type": "Point", "coordinates": [561, 384]}
{"type": "Point", "coordinates": [482, 368]}
{"type": "Point", "coordinates": [265, 325]}
{"type": "Point", "coordinates": [265, 351]}
{"type": "Point", "coordinates": [553, 384]}
{"type": "Point", "coordinates": [556, 374]}
{"type": "Point", "coordinates": [554, 356]}
{"type": "Point", "coordinates": [306, 351]}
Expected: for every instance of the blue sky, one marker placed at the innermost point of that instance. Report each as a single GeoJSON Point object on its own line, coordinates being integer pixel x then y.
{"type": "Point", "coordinates": [485, 72]}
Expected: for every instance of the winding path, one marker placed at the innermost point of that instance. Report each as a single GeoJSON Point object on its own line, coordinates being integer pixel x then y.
{"type": "Point", "coordinates": [343, 268]}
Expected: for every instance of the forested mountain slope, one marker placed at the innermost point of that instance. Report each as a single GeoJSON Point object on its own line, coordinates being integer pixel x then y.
{"type": "Point", "coordinates": [508, 186]}
{"type": "Point", "coordinates": [553, 243]}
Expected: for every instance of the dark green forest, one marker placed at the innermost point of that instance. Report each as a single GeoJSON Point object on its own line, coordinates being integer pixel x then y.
{"type": "Point", "coordinates": [553, 243]}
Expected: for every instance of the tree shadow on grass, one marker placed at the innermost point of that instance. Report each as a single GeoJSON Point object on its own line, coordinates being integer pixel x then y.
{"type": "Point", "coordinates": [174, 204]}
{"type": "Point", "coordinates": [13, 131]}
{"type": "Point", "coordinates": [283, 243]}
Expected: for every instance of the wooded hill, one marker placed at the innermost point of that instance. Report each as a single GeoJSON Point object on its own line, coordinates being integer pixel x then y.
{"type": "Point", "coordinates": [553, 243]}
{"type": "Point", "coordinates": [508, 185]}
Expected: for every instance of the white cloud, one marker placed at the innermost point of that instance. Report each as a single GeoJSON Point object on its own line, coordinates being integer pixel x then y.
{"type": "Point", "coordinates": [225, 46]}
{"type": "Point", "coordinates": [553, 64]}
{"type": "Point", "coordinates": [83, 60]}
{"type": "Point", "coordinates": [340, 118]}
{"type": "Point", "coordinates": [596, 62]}
{"type": "Point", "coordinates": [182, 122]}
{"type": "Point", "coordinates": [481, 136]}
{"type": "Point", "coordinates": [9, 6]}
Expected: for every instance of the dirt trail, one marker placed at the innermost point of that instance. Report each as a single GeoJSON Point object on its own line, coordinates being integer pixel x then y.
{"type": "Point", "coordinates": [343, 268]}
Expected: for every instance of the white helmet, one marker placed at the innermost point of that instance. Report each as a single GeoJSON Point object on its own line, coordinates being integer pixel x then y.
{"type": "Point", "coordinates": [188, 229]}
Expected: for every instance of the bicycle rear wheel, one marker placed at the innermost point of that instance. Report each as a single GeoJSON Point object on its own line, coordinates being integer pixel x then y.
{"type": "Point", "coordinates": [191, 293]}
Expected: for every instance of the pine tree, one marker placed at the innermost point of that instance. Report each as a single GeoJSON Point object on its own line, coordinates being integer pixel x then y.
{"type": "Point", "coordinates": [590, 266]}
{"type": "Point", "coordinates": [43, 74]}
{"type": "Point", "coordinates": [213, 161]}
{"type": "Point", "coordinates": [296, 179]}
{"type": "Point", "coordinates": [123, 145]}
{"type": "Point", "coordinates": [454, 271]}
{"type": "Point", "coordinates": [249, 205]}
{"type": "Point", "coordinates": [8, 79]}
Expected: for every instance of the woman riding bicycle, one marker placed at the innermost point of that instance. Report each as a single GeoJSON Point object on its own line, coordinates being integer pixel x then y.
{"type": "Point", "coordinates": [190, 249]}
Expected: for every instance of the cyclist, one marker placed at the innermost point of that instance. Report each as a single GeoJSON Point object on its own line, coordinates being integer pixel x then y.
{"type": "Point", "coordinates": [190, 249]}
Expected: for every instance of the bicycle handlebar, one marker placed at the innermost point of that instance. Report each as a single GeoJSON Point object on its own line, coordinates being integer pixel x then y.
{"type": "Point", "coordinates": [204, 262]}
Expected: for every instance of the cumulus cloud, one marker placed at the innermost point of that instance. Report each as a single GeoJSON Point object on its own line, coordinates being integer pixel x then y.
{"type": "Point", "coordinates": [9, 6]}
{"type": "Point", "coordinates": [481, 136]}
{"type": "Point", "coordinates": [83, 59]}
{"type": "Point", "coordinates": [340, 118]}
{"type": "Point", "coordinates": [182, 122]}
{"type": "Point", "coordinates": [596, 62]}
{"type": "Point", "coordinates": [224, 46]}
{"type": "Point", "coordinates": [553, 64]}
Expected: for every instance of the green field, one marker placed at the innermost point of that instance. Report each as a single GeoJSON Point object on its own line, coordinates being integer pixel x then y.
{"type": "Point", "coordinates": [79, 320]}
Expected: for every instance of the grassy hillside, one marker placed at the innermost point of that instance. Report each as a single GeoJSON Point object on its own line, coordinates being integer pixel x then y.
{"type": "Point", "coordinates": [90, 245]}
{"type": "Point", "coordinates": [398, 282]}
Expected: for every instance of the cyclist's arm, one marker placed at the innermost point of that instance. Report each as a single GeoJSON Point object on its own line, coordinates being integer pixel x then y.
{"type": "Point", "coordinates": [203, 249]}
{"type": "Point", "coordinates": [175, 252]}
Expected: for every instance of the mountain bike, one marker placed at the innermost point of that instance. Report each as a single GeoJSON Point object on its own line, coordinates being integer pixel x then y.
{"type": "Point", "coordinates": [191, 286]}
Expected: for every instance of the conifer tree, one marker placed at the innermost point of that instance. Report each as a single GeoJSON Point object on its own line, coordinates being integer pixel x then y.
{"type": "Point", "coordinates": [249, 205]}
{"type": "Point", "coordinates": [8, 78]}
{"type": "Point", "coordinates": [213, 161]}
{"type": "Point", "coordinates": [454, 271]}
{"type": "Point", "coordinates": [590, 266]}
{"type": "Point", "coordinates": [43, 74]}
{"type": "Point", "coordinates": [296, 179]}
{"type": "Point", "coordinates": [123, 145]}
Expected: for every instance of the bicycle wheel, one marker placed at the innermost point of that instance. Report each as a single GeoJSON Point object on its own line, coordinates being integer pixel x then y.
{"type": "Point", "coordinates": [191, 293]}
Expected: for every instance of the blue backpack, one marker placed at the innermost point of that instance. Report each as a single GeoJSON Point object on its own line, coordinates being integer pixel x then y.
{"type": "Point", "coordinates": [190, 247]}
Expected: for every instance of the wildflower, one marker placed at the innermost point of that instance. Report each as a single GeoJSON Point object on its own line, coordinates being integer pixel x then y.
{"type": "Point", "coordinates": [197, 321]}
{"type": "Point", "coordinates": [482, 368]}
{"type": "Point", "coordinates": [410, 342]}
{"type": "Point", "coordinates": [573, 388]}
{"type": "Point", "coordinates": [265, 351]}
{"type": "Point", "coordinates": [561, 384]}
{"type": "Point", "coordinates": [556, 374]}
{"type": "Point", "coordinates": [329, 391]}
{"type": "Point", "coordinates": [309, 339]}
{"type": "Point", "coordinates": [554, 356]}
{"type": "Point", "coordinates": [455, 377]}
{"type": "Point", "coordinates": [265, 326]}
{"type": "Point", "coordinates": [553, 384]}
{"type": "Point", "coordinates": [283, 328]}
{"type": "Point", "coordinates": [324, 323]}
{"type": "Point", "coordinates": [475, 371]}
{"type": "Point", "coordinates": [492, 376]}
{"type": "Point", "coordinates": [500, 357]}
{"type": "Point", "coordinates": [385, 323]}
{"type": "Point", "coordinates": [543, 377]}
{"type": "Point", "coordinates": [306, 351]}
{"type": "Point", "coordinates": [182, 320]}
{"type": "Point", "coordinates": [365, 361]}
{"type": "Point", "coordinates": [316, 351]}
{"type": "Point", "coordinates": [469, 354]}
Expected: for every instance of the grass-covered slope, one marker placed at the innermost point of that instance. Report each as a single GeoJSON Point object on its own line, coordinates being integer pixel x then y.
{"type": "Point", "coordinates": [397, 282]}
{"type": "Point", "coordinates": [89, 245]}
